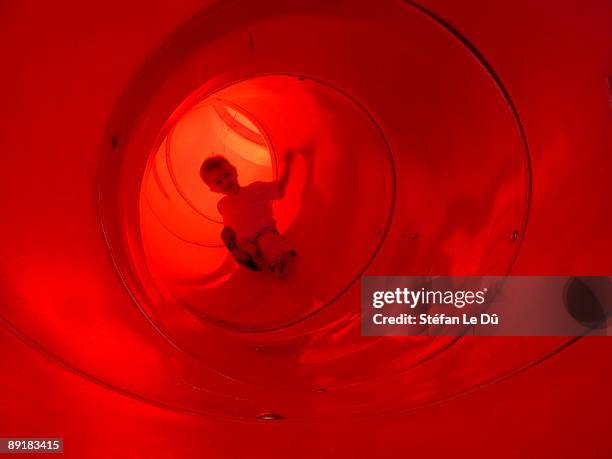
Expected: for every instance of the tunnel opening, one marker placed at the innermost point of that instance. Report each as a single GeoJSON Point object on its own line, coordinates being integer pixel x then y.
{"type": "Point", "coordinates": [335, 225]}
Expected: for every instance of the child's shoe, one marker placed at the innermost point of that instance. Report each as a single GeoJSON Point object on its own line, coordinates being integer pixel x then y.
{"type": "Point", "coordinates": [279, 268]}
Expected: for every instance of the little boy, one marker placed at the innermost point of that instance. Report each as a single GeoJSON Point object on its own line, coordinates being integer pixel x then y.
{"type": "Point", "coordinates": [249, 231]}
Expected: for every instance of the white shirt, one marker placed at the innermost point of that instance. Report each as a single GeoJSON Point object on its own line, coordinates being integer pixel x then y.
{"type": "Point", "coordinates": [249, 212]}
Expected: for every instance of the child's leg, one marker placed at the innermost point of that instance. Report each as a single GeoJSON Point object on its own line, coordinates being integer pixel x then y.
{"type": "Point", "coordinates": [275, 251]}
{"type": "Point", "coordinates": [240, 255]}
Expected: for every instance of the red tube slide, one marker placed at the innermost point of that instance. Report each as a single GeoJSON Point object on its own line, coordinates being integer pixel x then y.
{"type": "Point", "coordinates": [435, 138]}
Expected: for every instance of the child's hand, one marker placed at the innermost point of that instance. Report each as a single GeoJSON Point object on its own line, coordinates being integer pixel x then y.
{"type": "Point", "coordinates": [290, 156]}
{"type": "Point", "coordinates": [304, 150]}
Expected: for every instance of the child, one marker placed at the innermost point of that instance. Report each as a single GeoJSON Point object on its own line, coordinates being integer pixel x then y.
{"type": "Point", "coordinates": [249, 231]}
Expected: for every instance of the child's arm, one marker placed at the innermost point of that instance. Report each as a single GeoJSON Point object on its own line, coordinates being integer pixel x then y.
{"type": "Point", "coordinates": [284, 179]}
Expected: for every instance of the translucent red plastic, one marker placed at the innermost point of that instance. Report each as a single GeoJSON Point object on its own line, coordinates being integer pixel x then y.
{"type": "Point", "coordinates": [442, 138]}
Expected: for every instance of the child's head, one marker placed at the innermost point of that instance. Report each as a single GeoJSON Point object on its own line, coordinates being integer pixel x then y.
{"type": "Point", "coordinates": [220, 175]}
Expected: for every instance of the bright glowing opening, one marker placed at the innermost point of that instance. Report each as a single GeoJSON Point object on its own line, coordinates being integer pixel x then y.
{"type": "Point", "coordinates": [334, 225]}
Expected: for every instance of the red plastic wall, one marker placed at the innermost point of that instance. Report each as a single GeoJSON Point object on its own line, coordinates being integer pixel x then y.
{"type": "Point", "coordinates": [465, 122]}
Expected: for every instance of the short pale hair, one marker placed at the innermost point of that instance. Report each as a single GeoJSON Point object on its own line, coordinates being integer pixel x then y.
{"type": "Point", "coordinates": [211, 163]}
